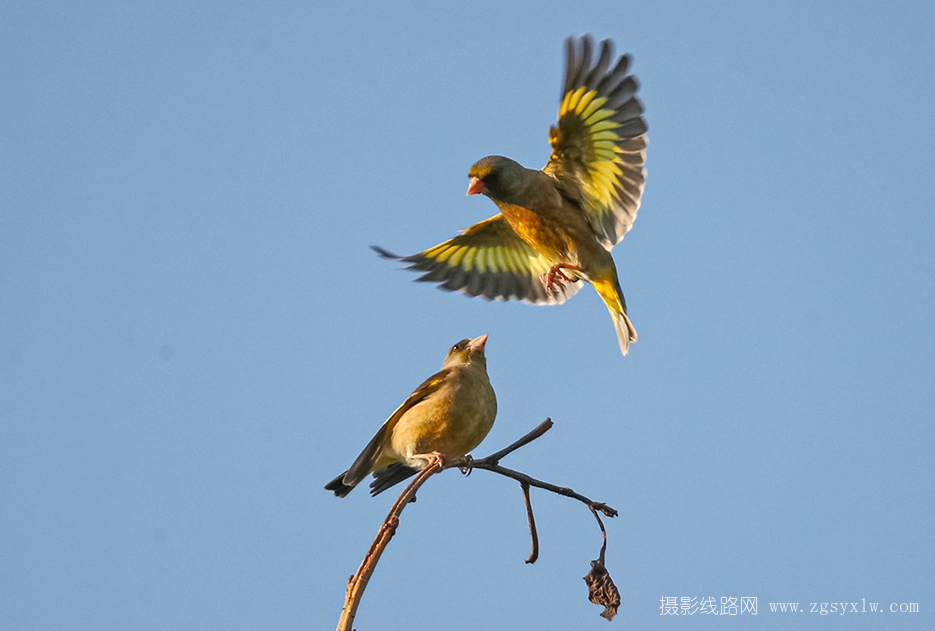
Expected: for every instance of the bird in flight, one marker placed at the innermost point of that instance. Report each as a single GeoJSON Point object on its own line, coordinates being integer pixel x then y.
{"type": "Point", "coordinates": [557, 225]}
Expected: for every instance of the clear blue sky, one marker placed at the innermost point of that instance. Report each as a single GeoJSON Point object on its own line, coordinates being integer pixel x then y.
{"type": "Point", "coordinates": [195, 337]}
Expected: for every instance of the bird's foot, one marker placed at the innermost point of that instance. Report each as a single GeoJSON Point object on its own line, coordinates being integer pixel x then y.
{"type": "Point", "coordinates": [468, 466]}
{"type": "Point", "coordinates": [431, 458]}
{"type": "Point", "coordinates": [553, 278]}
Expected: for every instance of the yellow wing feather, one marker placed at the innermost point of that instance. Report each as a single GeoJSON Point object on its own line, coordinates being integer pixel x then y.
{"type": "Point", "coordinates": [490, 260]}
{"type": "Point", "coordinates": [600, 129]}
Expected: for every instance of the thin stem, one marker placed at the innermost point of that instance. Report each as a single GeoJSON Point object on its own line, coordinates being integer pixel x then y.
{"type": "Point", "coordinates": [358, 583]}
{"type": "Point", "coordinates": [532, 524]}
{"type": "Point", "coordinates": [531, 481]}
{"type": "Point", "coordinates": [603, 534]}
{"type": "Point", "coordinates": [495, 458]}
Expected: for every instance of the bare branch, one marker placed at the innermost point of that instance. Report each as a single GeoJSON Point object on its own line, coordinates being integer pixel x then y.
{"type": "Point", "coordinates": [532, 525]}
{"type": "Point", "coordinates": [495, 458]}
{"type": "Point", "coordinates": [358, 583]}
{"type": "Point", "coordinates": [603, 533]}
{"type": "Point", "coordinates": [531, 481]}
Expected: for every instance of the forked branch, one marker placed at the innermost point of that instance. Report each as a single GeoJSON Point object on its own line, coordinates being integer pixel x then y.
{"type": "Point", "coordinates": [358, 583]}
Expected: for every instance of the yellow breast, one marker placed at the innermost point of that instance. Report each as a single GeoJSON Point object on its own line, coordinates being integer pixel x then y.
{"type": "Point", "coordinates": [452, 421]}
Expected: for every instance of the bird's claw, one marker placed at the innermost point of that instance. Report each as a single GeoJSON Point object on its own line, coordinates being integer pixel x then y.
{"type": "Point", "coordinates": [553, 278]}
{"type": "Point", "coordinates": [431, 458]}
{"type": "Point", "coordinates": [468, 466]}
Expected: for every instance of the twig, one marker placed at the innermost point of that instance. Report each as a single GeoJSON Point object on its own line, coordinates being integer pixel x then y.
{"type": "Point", "coordinates": [358, 583]}
{"type": "Point", "coordinates": [532, 524]}
{"type": "Point", "coordinates": [492, 463]}
{"type": "Point", "coordinates": [523, 478]}
{"type": "Point", "coordinates": [603, 534]}
{"type": "Point", "coordinates": [495, 458]}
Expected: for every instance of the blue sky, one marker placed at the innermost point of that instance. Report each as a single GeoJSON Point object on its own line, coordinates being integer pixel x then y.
{"type": "Point", "coordinates": [196, 336]}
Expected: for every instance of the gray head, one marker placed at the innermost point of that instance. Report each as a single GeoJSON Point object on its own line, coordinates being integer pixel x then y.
{"type": "Point", "coordinates": [497, 178]}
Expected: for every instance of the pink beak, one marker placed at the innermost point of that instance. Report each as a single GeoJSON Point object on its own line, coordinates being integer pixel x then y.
{"type": "Point", "coordinates": [475, 186]}
{"type": "Point", "coordinates": [478, 343]}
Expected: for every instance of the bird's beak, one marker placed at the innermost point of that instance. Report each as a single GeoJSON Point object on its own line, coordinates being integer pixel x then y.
{"type": "Point", "coordinates": [475, 186]}
{"type": "Point", "coordinates": [478, 343]}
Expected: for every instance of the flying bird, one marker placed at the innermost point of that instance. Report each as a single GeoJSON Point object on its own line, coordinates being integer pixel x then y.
{"type": "Point", "coordinates": [557, 225]}
{"type": "Point", "coordinates": [450, 413]}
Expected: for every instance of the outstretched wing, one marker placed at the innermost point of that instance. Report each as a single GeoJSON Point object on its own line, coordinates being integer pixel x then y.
{"type": "Point", "coordinates": [490, 260]}
{"type": "Point", "coordinates": [599, 142]}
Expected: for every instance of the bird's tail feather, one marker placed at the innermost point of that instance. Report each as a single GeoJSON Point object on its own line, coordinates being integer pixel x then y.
{"type": "Point", "coordinates": [365, 463]}
{"type": "Point", "coordinates": [388, 476]}
{"type": "Point", "coordinates": [610, 293]}
{"type": "Point", "coordinates": [339, 487]}
{"type": "Point", "coordinates": [625, 331]}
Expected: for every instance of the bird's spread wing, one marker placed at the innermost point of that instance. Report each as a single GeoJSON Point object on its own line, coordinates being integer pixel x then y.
{"type": "Point", "coordinates": [599, 142]}
{"type": "Point", "coordinates": [368, 457]}
{"type": "Point", "coordinates": [490, 260]}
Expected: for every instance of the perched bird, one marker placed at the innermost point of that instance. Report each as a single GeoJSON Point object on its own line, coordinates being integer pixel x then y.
{"type": "Point", "coordinates": [557, 225]}
{"type": "Point", "coordinates": [450, 413]}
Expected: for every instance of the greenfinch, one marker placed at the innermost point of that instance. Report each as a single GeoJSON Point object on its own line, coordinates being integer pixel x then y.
{"type": "Point", "coordinates": [557, 225]}
{"type": "Point", "coordinates": [449, 414]}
